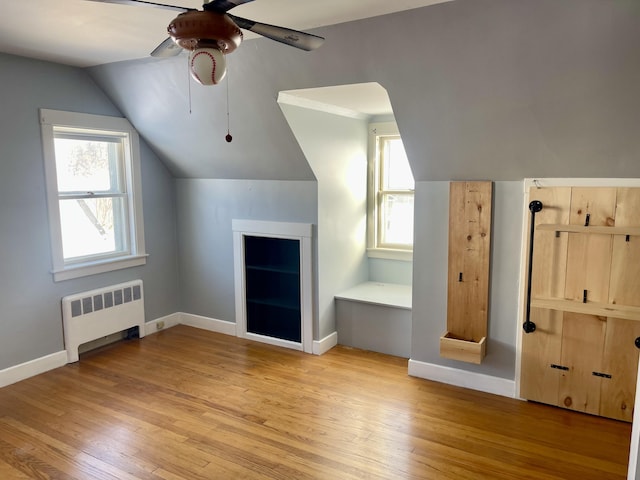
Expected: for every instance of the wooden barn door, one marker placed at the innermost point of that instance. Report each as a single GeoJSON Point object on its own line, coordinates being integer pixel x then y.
{"type": "Point", "coordinates": [585, 296]}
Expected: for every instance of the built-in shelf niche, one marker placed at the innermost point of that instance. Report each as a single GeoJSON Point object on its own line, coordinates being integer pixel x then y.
{"type": "Point", "coordinates": [273, 282]}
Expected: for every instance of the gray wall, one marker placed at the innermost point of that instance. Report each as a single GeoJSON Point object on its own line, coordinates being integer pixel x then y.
{"type": "Point", "coordinates": [498, 89]}
{"type": "Point", "coordinates": [336, 149]}
{"type": "Point", "coordinates": [205, 209]}
{"type": "Point", "coordinates": [430, 277]}
{"type": "Point", "coordinates": [30, 314]}
{"type": "Point", "coordinates": [390, 271]}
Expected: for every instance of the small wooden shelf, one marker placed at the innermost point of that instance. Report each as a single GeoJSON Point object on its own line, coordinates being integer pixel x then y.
{"type": "Point", "coordinates": [626, 312]}
{"type": "Point", "coordinates": [558, 227]}
{"type": "Point", "coordinates": [462, 350]}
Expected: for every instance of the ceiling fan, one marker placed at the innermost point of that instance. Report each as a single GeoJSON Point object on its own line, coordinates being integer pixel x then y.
{"type": "Point", "coordinates": [211, 33]}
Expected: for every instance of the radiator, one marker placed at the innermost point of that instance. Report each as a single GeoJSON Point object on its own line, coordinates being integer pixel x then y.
{"type": "Point", "coordinates": [97, 313]}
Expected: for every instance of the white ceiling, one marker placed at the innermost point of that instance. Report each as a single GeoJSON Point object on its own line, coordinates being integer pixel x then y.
{"type": "Point", "coordinates": [85, 33]}
{"type": "Point", "coordinates": [368, 99]}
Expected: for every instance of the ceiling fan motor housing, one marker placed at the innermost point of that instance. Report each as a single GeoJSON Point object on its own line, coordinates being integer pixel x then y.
{"type": "Point", "coordinates": [193, 29]}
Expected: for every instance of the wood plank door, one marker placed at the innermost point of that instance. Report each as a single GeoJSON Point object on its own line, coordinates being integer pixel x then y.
{"type": "Point", "coordinates": [578, 361]}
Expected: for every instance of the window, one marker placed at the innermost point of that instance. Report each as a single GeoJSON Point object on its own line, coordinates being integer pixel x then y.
{"type": "Point", "coordinates": [92, 171]}
{"type": "Point", "coordinates": [391, 191]}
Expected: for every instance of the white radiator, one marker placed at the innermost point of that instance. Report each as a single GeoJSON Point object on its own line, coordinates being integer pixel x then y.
{"type": "Point", "coordinates": [91, 315]}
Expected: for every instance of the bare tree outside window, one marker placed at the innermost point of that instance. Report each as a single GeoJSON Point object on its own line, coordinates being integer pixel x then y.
{"type": "Point", "coordinates": [91, 193]}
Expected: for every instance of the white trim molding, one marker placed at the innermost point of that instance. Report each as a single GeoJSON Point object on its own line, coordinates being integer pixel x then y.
{"type": "Point", "coordinates": [463, 378]}
{"type": "Point", "coordinates": [131, 251]}
{"type": "Point", "coordinates": [190, 320]}
{"type": "Point", "coordinates": [32, 368]}
{"type": "Point", "coordinates": [303, 233]}
{"type": "Point", "coordinates": [210, 324]}
{"type": "Point", "coordinates": [320, 347]}
{"type": "Point", "coordinates": [287, 98]}
{"type": "Point", "coordinates": [162, 323]}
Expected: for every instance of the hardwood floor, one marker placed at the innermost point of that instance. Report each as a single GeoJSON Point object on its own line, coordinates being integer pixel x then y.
{"type": "Point", "coordinates": [190, 404]}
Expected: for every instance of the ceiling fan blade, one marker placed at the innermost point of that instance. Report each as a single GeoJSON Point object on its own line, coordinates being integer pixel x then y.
{"type": "Point", "coordinates": [166, 49]}
{"type": "Point", "coordinates": [144, 3]}
{"type": "Point", "coordinates": [295, 38]}
{"type": "Point", "coordinates": [223, 6]}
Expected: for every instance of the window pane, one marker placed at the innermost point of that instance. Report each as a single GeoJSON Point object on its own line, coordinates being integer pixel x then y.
{"type": "Point", "coordinates": [87, 166]}
{"type": "Point", "coordinates": [92, 226]}
{"type": "Point", "coordinates": [396, 170]}
{"type": "Point", "coordinates": [397, 219]}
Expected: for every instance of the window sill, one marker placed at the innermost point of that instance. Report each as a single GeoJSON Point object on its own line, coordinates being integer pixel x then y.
{"type": "Point", "coordinates": [93, 268]}
{"type": "Point", "coordinates": [390, 254]}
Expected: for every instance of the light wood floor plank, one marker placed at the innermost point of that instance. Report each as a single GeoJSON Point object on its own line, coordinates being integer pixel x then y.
{"type": "Point", "coordinates": [187, 404]}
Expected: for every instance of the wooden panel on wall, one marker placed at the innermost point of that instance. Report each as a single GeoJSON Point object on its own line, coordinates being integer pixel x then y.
{"type": "Point", "coordinates": [582, 346]}
{"type": "Point", "coordinates": [470, 210]}
{"type": "Point", "coordinates": [539, 381]}
{"type": "Point", "coordinates": [469, 251]}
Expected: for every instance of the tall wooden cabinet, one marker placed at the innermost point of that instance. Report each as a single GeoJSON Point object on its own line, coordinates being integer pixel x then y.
{"type": "Point", "coordinates": [585, 301]}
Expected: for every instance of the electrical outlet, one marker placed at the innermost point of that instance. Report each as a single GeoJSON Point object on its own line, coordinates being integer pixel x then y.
{"type": "Point", "coordinates": [160, 325]}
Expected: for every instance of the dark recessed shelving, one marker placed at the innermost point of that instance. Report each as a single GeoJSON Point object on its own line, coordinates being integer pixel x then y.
{"type": "Point", "coordinates": [272, 282]}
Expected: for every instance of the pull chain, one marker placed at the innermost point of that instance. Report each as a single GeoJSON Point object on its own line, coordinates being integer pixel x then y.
{"type": "Point", "coordinates": [189, 81]}
{"type": "Point", "coordinates": [228, 137]}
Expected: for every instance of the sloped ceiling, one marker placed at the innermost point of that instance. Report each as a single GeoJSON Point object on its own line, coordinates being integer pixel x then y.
{"type": "Point", "coordinates": [480, 89]}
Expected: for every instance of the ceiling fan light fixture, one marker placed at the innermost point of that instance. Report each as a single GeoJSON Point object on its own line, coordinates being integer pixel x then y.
{"type": "Point", "coordinates": [207, 65]}
{"type": "Point", "coordinates": [193, 28]}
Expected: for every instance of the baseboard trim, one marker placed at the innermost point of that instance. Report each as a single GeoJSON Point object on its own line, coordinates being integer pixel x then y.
{"type": "Point", "coordinates": [206, 323]}
{"type": "Point", "coordinates": [32, 368]}
{"type": "Point", "coordinates": [40, 365]}
{"type": "Point", "coordinates": [463, 378]}
{"type": "Point", "coordinates": [320, 347]}
{"type": "Point", "coordinates": [168, 320]}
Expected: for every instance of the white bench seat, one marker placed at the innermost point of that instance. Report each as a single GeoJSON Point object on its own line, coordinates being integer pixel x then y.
{"type": "Point", "coordinates": [375, 316]}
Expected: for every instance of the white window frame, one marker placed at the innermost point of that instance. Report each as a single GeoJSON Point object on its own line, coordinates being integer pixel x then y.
{"type": "Point", "coordinates": [136, 255]}
{"type": "Point", "coordinates": [377, 130]}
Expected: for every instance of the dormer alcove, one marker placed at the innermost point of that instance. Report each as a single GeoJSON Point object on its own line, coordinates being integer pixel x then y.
{"type": "Point", "coordinates": [331, 125]}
